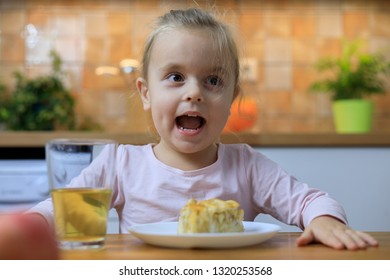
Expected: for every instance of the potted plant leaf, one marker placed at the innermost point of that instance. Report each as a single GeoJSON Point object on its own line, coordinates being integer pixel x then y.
{"type": "Point", "coordinates": [3, 105]}
{"type": "Point", "coordinates": [352, 77]}
{"type": "Point", "coordinates": [42, 103]}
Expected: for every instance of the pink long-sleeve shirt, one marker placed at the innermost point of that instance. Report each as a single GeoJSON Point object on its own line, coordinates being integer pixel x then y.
{"type": "Point", "coordinates": [147, 190]}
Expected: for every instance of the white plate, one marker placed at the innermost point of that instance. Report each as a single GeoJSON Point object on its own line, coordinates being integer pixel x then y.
{"type": "Point", "coordinates": [165, 235]}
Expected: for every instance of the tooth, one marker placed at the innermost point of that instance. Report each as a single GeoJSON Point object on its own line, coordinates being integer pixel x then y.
{"type": "Point", "coordinates": [183, 128]}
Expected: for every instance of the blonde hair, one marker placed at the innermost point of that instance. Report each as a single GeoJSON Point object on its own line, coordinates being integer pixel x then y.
{"type": "Point", "coordinates": [197, 18]}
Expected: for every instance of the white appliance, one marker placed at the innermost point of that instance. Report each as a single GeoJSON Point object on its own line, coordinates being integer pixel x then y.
{"type": "Point", "coordinates": [24, 183]}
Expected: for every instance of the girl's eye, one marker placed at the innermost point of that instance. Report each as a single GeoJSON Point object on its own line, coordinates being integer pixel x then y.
{"type": "Point", "coordinates": [175, 77]}
{"type": "Point", "coordinates": [214, 81]}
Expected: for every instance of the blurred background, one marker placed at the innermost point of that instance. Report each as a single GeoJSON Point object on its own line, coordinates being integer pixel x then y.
{"type": "Point", "coordinates": [101, 41]}
{"type": "Point", "coordinates": [279, 41]}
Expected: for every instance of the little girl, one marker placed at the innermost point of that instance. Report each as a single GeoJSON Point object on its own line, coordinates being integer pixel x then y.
{"type": "Point", "coordinates": [189, 80]}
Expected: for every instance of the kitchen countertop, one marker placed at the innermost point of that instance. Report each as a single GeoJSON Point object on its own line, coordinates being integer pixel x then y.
{"type": "Point", "coordinates": [38, 139]}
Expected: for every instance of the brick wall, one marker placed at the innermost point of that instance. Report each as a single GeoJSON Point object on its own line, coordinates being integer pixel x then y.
{"type": "Point", "coordinates": [283, 38]}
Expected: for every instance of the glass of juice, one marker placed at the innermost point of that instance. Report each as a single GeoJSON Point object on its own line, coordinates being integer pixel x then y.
{"type": "Point", "coordinates": [81, 176]}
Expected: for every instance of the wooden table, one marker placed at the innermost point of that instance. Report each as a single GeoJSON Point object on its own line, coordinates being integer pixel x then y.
{"type": "Point", "coordinates": [280, 247]}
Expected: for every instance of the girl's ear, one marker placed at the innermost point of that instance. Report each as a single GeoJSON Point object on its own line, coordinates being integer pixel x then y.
{"type": "Point", "coordinates": [144, 92]}
{"type": "Point", "coordinates": [236, 93]}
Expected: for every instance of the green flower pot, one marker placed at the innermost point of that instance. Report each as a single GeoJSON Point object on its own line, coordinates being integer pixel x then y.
{"type": "Point", "coordinates": [353, 115]}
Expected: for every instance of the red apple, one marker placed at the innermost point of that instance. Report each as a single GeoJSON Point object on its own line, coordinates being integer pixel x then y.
{"type": "Point", "coordinates": [26, 237]}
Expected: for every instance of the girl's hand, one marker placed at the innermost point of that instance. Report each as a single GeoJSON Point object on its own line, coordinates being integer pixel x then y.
{"type": "Point", "coordinates": [26, 236]}
{"type": "Point", "coordinates": [333, 233]}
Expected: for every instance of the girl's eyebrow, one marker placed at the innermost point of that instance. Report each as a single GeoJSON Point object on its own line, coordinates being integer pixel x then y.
{"type": "Point", "coordinates": [219, 69]}
{"type": "Point", "coordinates": [170, 66]}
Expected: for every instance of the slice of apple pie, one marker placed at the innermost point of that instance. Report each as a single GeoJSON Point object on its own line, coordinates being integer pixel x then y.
{"type": "Point", "coordinates": [211, 216]}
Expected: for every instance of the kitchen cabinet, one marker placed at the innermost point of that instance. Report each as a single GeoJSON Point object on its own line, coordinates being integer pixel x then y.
{"type": "Point", "coordinates": [358, 177]}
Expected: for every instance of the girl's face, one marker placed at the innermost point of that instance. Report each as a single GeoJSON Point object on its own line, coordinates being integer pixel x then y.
{"type": "Point", "coordinates": [188, 90]}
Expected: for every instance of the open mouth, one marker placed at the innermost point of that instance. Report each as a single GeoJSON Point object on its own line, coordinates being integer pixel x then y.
{"type": "Point", "coordinates": [190, 122]}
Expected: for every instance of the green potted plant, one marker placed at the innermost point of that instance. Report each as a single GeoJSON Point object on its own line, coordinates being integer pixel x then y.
{"type": "Point", "coordinates": [42, 103]}
{"type": "Point", "coordinates": [353, 77]}
{"type": "Point", "coordinates": [3, 107]}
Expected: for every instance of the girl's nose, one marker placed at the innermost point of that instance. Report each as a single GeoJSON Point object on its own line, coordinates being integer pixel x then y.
{"type": "Point", "coordinates": [197, 99]}
{"type": "Point", "coordinates": [194, 93]}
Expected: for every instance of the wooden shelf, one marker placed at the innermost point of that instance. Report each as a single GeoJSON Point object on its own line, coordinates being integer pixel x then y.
{"type": "Point", "coordinates": [38, 139]}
